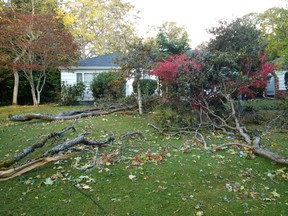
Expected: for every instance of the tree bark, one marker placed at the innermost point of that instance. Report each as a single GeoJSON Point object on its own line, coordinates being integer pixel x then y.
{"type": "Point", "coordinates": [40, 85]}
{"type": "Point", "coordinates": [6, 174]}
{"type": "Point", "coordinates": [16, 87]}
{"type": "Point", "coordinates": [139, 98]}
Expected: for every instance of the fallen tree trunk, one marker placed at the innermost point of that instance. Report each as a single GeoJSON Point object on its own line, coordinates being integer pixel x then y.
{"type": "Point", "coordinates": [68, 115]}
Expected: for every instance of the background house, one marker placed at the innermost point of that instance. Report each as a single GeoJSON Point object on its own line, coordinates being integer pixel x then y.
{"type": "Point", "coordinates": [89, 68]}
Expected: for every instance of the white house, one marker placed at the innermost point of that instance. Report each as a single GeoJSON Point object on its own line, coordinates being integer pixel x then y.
{"type": "Point", "coordinates": [88, 68]}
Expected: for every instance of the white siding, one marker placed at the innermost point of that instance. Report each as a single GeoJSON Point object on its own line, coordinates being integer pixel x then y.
{"type": "Point", "coordinates": [68, 77]}
{"type": "Point", "coordinates": [280, 75]}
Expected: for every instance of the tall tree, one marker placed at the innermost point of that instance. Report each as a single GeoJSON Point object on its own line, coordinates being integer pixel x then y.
{"type": "Point", "coordinates": [274, 25]}
{"type": "Point", "coordinates": [34, 6]}
{"type": "Point", "coordinates": [36, 43]}
{"type": "Point", "coordinates": [100, 26]}
{"type": "Point", "coordinates": [136, 63]}
{"type": "Point", "coordinates": [240, 38]}
{"type": "Point", "coordinates": [172, 39]}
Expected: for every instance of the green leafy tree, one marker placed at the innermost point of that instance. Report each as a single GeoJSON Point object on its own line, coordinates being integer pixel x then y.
{"type": "Point", "coordinates": [99, 26]}
{"type": "Point", "coordinates": [274, 26]}
{"type": "Point", "coordinates": [240, 39]}
{"type": "Point", "coordinates": [172, 40]}
{"type": "Point", "coordinates": [32, 6]}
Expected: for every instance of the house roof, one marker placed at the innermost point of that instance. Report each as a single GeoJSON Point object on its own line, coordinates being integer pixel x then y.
{"type": "Point", "coordinates": [107, 60]}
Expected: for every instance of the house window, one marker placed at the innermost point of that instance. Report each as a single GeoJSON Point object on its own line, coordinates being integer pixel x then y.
{"type": "Point", "coordinates": [86, 78]}
{"type": "Point", "coordinates": [79, 77]}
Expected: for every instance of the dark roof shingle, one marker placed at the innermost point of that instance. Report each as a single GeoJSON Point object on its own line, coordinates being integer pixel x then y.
{"type": "Point", "coordinates": [107, 60]}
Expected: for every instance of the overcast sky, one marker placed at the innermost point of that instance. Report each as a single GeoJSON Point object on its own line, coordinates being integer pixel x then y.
{"type": "Point", "coordinates": [196, 15]}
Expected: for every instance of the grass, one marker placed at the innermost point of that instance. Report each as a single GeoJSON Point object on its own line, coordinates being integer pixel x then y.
{"type": "Point", "coordinates": [188, 181]}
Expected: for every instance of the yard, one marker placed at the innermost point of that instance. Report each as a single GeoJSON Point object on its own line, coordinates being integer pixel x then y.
{"type": "Point", "coordinates": [157, 175]}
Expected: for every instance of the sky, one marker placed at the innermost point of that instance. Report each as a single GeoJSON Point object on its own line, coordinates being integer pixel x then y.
{"type": "Point", "coordinates": [195, 15]}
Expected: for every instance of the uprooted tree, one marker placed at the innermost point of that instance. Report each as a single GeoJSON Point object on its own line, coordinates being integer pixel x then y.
{"type": "Point", "coordinates": [211, 83]}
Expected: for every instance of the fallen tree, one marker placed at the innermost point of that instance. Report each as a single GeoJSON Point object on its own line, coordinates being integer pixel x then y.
{"type": "Point", "coordinates": [231, 125]}
{"type": "Point", "coordinates": [75, 114]}
{"type": "Point", "coordinates": [209, 83]}
{"type": "Point", "coordinates": [56, 153]}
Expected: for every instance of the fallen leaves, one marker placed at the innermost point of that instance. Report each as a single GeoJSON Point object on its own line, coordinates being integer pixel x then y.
{"type": "Point", "coordinates": [132, 177]}
{"type": "Point", "coordinates": [275, 194]}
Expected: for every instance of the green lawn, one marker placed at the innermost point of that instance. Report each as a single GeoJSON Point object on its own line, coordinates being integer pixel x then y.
{"type": "Point", "coordinates": [188, 181]}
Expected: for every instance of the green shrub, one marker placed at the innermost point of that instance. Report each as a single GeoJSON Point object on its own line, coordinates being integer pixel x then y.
{"type": "Point", "coordinates": [108, 85]}
{"type": "Point", "coordinates": [70, 93]}
{"type": "Point", "coordinates": [147, 86]}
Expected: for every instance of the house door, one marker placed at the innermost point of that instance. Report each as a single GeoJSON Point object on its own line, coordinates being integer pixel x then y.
{"type": "Point", "coordinates": [270, 88]}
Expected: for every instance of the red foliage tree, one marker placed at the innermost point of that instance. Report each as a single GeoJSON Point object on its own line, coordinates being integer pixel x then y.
{"type": "Point", "coordinates": [168, 69]}
{"type": "Point", "coordinates": [257, 79]}
{"type": "Point", "coordinates": [200, 78]}
{"type": "Point", "coordinates": [35, 44]}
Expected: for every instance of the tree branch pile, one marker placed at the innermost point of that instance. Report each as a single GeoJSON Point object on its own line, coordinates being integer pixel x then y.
{"type": "Point", "coordinates": [56, 153]}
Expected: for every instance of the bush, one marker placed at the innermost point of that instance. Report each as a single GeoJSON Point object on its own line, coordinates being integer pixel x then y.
{"type": "Point", "coordinates": [108, 85]}
{"type": "Point", "coordinates": [147, 86]}
{"type": "Point", "coordinates": [70, 93]}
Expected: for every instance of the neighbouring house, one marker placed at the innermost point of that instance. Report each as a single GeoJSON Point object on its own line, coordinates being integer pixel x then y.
{"type": "Point", "coordinates": [89, 68]}
{"type": "Point", "coordinates": [277, 84]}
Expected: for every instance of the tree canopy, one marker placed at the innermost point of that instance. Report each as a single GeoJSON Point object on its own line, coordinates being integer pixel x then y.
{"type": "Point", "coordinates": [274, 26]}
{"type": "Point", "coordinates": [99, 26]}
{"type": "Point", "coordinates": [172, 39]}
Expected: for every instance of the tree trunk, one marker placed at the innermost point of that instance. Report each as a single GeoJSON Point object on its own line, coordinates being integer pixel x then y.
{"type": "Point", "coordinates": [29, 76]}
{"type": "Point", "coordinates": [34, 97]}
{"type": "Point", "coordinates": [16, 87]}
{"type": "Point", "coordinates": [140, 102]}
{"type": "Point", "coordinates": [40, 85]}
